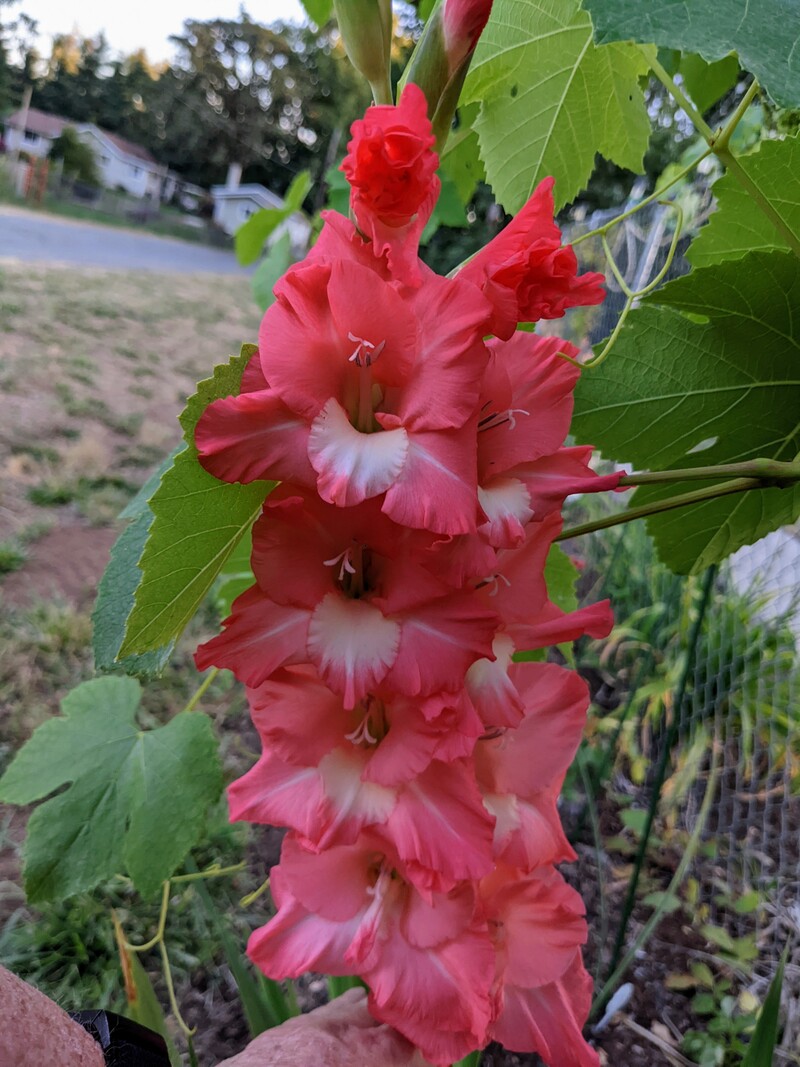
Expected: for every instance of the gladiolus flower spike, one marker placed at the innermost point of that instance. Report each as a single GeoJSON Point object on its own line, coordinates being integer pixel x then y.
{"type": "Point", "coordinates": [397, 569]}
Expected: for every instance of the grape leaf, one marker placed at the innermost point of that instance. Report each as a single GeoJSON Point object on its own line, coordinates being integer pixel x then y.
{"type": "Point", "coordinates": [739, 225]}
{"type": "Point", "coordinates": [117, 589]}
{"type": "Point", "coordinates": [461, 160]}
{"type": "Point", "coordinates": [765, 35]}
{"type": "Point", "coordinates": [197, 522]}
{"type": "Point", "coordinates": [136, 800]}
{"type": "Point", "coordinates": [707, 82]}
{"type": "Point", "coordinates": [550, 99]}
{"type": "Point", "coordinates": [707, 371]}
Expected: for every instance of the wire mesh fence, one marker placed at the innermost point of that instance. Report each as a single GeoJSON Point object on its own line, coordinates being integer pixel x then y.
{"type": "Point", "coordinates": [740, 698]}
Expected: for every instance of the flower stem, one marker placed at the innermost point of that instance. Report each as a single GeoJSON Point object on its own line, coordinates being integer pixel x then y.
{"type": "Point", "coordinates": [697, 496]}
{"type": "Point", "coordinates": [770, 471]}
{"type": "Point", "coordinates": [201, 689]}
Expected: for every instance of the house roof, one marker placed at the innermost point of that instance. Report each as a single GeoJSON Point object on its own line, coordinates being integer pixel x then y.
{"type": "Point", "coordinates": [259, 194]}
{"type": "Point", "coordinates": [39, 122]}
{"type": "Point", "coordinates": [120, 144]}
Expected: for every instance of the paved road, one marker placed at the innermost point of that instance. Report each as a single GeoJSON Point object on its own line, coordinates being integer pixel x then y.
{"type": "Point", "coordinates": [25, 235]}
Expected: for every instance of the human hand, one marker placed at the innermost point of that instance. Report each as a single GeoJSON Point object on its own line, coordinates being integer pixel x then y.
{"type": "Point", "coordinates": [339, 1034]}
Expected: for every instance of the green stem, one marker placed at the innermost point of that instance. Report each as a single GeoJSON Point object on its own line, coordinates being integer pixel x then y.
{"type": "Point", "coordinates": [770, 471]}
{"type": "Point", "coordinates": [656, 195]}
{"type": "Point", "coordinates": [200, 691]}
{"type": "Point", "coordinates": [697, 496]}
{"type": "Point", "coordinates": [750, 187]}
{"type": "Point", "coordinates": [382, 91]}
{"type": "Point", "coordinates": [214, 871]}
{"type": "Point", "coordinates": [721, 142]}
{"type": "Point", "coordinates": [678, 94]}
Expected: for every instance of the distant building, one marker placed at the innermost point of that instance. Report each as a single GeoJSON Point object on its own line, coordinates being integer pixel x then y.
{"type": "Point", "coordinates": [121, 163]}
{"type": "Point", "coordinates": [235, 203]}
{"type": "Point", "coordinates": [37, 134]}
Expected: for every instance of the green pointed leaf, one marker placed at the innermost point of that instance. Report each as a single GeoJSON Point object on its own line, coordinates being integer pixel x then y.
{"type": "Point", "coordinates": [721, 386]}
{"type": "Point", "coordinates": [117, 590]}
{"type": "Point", "coordinates": [198, 521]}
{"type": "Point", "coordinates": [319, 11]}
{"type": "Point", "coordinates": [251, 236]}
{"type": "Point", "coordinates": [707, 82]}
{"type": "Point", "coordinates": [272, 267]}
{"type": "Point", "coordinates": [550, 99]}
{"type": "Point", "coordinates": [739, 225]}
{"type": "Point", "coordinates": [136, 800]}
{"type": "Point", "coordinates": [761, 1050]}
{"type": "Point", "coordinates": [765, 35]}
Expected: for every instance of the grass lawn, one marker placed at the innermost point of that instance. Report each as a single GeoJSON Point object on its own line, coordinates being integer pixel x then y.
{"type": "Point", "coordinates": [94, 369]}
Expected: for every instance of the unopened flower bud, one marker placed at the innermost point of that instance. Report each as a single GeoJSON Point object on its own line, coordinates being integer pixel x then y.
{"type": "Point", "coordinates": [441, 59]}
{"type": "Point", "coordinates": [366, 29]}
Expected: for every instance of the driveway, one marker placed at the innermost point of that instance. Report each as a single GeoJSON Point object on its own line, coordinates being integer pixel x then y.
{"type": "Point", "coordinates": [26, 235]}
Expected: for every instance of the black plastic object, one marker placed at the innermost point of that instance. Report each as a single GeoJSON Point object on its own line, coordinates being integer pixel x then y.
{"type": "Point", "coordinates": [124, 1043]}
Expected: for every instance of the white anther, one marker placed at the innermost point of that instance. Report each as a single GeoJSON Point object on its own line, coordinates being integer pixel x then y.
{"type": "Point", "coordinates": [347, 563]}
{"type": "Point", "coordinates": [511, 413]}
{"type": "Point", "coordinates": [495, 581]}
{"type": "Point", "coordinates": [370, 355]}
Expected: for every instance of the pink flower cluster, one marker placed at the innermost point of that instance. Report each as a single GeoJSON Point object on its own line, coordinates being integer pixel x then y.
{"type": "Point", "coordinates": [397, 569]}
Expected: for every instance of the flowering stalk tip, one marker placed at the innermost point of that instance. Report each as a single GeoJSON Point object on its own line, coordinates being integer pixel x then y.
{"type": "Point", "coordinates": [366, 29]}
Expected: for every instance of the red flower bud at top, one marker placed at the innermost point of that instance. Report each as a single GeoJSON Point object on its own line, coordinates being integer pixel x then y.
{"type": "Point", "coordinates": [463, 22]}
{"type": "Point", "coordinates": [391, 167]}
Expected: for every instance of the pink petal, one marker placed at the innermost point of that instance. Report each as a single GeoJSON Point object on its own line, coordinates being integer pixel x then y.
{"type": "Point", "coordinates": [437, 487]}
{"type": "Point", "coordinates": [552, 479]}
{"type": "Point", "coordinates": [552, 626]}
{"type": "Point", "coordinates": [443, 391]}
{"type": "Point", "coordinates": [549, 1019]}
{"type": "Point", "coordinates": [334, 883]}
{"type": "Point", "coordinates": [278, 794]}
{"type": "Point", "coordinates": [438, 998]}
{"type": "Point", "coordinates": [439, 823]}
{"type": "Point", "coordinates": [352, 803]}
{"type": "Point", "coordinates": [506, 503]}
{"type": "Point", "coordinates": [259, 637]}
{"type": "Point", "coordinates": [426, 923]}
{"type": "Point", "coordinates": [353, 466]}
{"type": "Point", "coordinates": [438, 643]}
{"type": "Point", "coordinates": [534, 419]}
{"type": "Point", "coordinates": [302, 354]}
{"type": "Point", "coordinates": [298, 716]}
{"type": "Point", "coordinates": [296, 941]}
{"type": "Point", "coordinates": [529, 759]}
{"type": "Point", "coordinates": [490, 689]}
{"type": "Point", "coordinates": [253, 436]}
{"type": "Point", "coordinates": [528, 833]}
{"type": "Point", "coordinates": [352, 645]}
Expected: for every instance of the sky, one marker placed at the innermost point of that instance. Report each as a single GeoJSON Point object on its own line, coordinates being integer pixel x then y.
{"type": "Point", "coordinates": [146, 24]}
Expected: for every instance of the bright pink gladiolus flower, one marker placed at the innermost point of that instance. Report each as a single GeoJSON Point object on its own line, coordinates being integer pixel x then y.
{"type": "Point", "coordinates": [527, 274]}
{"type": "Point", "coordinates": [367, 391]}
{"type": "Point", "coordinates": [427, 959]}
{"type": "Point", "coordinates": [344, 590]}
{"type": "Point", "coordinates": [391, 167]}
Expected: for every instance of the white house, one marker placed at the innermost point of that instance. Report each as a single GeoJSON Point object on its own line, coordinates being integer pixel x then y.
{"type": "Point", "coordinates": [33, 132]}
{"type": "Point", "coordinates": [235, 203]}
{"type": "Point", "coordinates": [123, 164]}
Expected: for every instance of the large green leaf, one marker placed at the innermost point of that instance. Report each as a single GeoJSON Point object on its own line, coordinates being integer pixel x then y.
{"type": "Point", "coordinates": [198, 522]}
{"type": "Point", "coordinates": [739, 225]}
{"type": "Point", "coordinates": [137, 800]}
{"type": "Point", "coordinates": [764, 33]}
{"type": "Point", "coordinates": [707, 82]}
{"type": "Point", "coordinates": [117, 590]}
{"type": "Point", "coordinates": [461, 160]}
{"type": "Point", "coordinates": [550, 99]}
{"type": "Point", "coordinates": [711, 376]}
